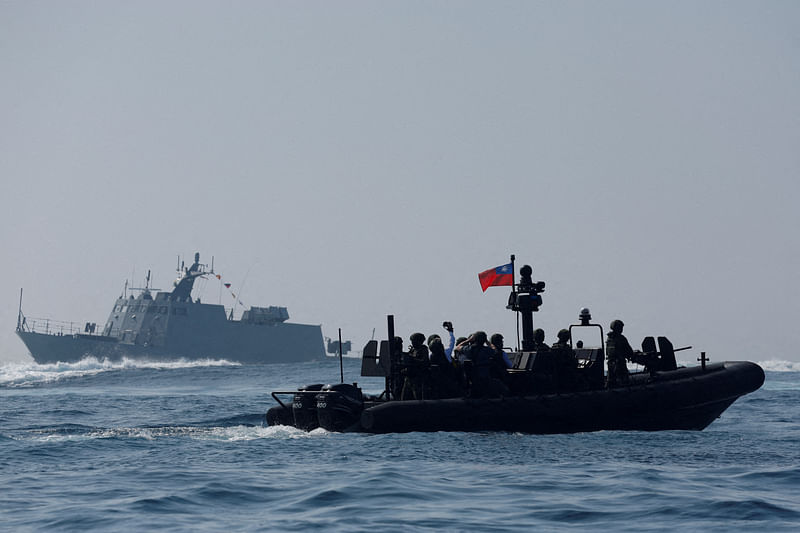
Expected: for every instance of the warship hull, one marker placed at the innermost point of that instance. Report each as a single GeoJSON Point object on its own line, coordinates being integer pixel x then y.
{"type": "Point", "coordinates": [242, 343]}
{"type": "Point", "coordinates": [683, 399]}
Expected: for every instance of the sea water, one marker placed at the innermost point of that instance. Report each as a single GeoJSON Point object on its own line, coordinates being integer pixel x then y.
{"type": "Point", "coordinates": [136, 446]}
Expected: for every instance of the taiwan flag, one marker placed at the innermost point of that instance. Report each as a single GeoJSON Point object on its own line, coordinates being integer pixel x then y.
{"type": "Point", "coordinates": [502, 275]}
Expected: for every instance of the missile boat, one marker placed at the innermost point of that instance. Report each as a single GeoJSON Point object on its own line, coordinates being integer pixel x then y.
{"type": "Point", "coordinates": [533, 395]}
{"type": "Point", "coordinates": [173, 326]}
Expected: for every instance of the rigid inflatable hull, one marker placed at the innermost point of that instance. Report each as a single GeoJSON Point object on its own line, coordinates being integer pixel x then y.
{"type": "Point", "coordinates": [684, 399]}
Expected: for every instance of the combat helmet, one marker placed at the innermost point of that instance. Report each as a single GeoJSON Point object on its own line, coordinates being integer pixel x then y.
{"type": "Point", "coordinates": [479, 337]}
{"type": "Point", "coordinates": [417, 339]}
{"type": "Point", "coordinates": [496, 339]}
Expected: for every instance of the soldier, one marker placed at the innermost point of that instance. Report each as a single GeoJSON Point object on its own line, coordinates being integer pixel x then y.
{"type": "Point", "coordinates": [416, 364]}
{"type": "Point", "coordinates": [398, 356]}
{"type": "Point", "coordinates": [500, 360]}
{"type": "Point", "coordinates": [617, 351]}
{"type": "Point", "coordinates": [544, 365]}
{"type": "Point", "coordinates": [565, 362]}
{"type": "Point", "coordinates": [499, 364]}
{"type": "Point", "coordinates": [443, 382]}
{"type": "Point", "coordinates": [538, 340]}
{"type": "Point", "coordinates": [448, 352]}
{"type": "Point", "coordinates": [476, 359]}
{"type": "Point", "coordinates": [458, 363]}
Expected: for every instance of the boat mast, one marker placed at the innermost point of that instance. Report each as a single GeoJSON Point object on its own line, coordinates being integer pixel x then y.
{"type": "Point", "coordinates": [525, 299]}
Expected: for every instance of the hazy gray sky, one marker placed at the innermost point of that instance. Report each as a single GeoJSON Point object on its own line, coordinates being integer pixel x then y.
{"type": "Point", "coordinates": [354, 159]}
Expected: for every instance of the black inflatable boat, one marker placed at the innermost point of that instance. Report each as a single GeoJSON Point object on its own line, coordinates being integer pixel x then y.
{"type": "Point", "coordinates": [532, 398]}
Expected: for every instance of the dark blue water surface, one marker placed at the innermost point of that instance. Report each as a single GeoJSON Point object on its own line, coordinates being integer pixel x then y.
{"type": "Point", "coordinates": [139, 446]}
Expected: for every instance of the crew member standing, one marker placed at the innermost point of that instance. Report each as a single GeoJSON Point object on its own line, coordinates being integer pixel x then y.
{"type": "Point", "coordinates": [415, 368]}
{"type": "Point", "coordinates": [617, 351]}
{"type": "Point", "coordinates": [565, 362]}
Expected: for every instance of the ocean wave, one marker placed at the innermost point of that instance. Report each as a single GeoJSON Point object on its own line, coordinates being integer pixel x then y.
{"type": "Point", "coordinates": [14, 375]}
{"type": "Point", "coordinates": [351, 355]}
{"type": "Point", "coordinates": [256, 419]}
{"type": "Point", "coordinates": [73, 432]}
{"type": "Point", "coordinates": [777, 365]}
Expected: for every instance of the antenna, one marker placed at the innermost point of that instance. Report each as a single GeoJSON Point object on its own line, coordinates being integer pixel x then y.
{"type": "Point", "coordinates": [241, 289]}
{"type": "Point", "coordinates": [19, 314]}
{"type": "Point", "coordinates": [145, 289]}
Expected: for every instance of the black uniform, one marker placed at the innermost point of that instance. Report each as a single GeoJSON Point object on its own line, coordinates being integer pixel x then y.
{"type": "Point", "coordinates": [477, 367]}
{"type": "Point", "coordinates": [415, 370]}
{"type": "Point", "coordinates": [442, 380]}
{"type": "Point", "coordinates": [565, 365]}
{"type": "Point", "coordinates": [617, 351]}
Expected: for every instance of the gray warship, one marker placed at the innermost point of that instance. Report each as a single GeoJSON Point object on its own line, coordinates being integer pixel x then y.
{"type": "Point", "coordinates": [172, 326]}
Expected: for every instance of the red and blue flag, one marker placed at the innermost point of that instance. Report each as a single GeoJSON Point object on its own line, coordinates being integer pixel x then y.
{"type": "Point", "coordinates": [502, 275]}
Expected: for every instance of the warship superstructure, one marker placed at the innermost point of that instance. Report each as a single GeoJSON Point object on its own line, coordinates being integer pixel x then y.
{"type": "Point", "coordinates": [172, 326]}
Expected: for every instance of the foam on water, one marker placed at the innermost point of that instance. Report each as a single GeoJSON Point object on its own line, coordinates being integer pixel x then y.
{"type": "Point", "coordinates": [229, 434]}
{"type": "Point", "coordinates": [777, 365]}
{"type": "Point", "coordinates": [33, 374]}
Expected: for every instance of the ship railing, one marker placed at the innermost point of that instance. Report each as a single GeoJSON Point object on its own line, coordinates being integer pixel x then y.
{"type": "Point", "coordinates": [49, 326]}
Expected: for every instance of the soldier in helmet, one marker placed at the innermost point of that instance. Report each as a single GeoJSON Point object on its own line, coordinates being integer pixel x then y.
{"type": "Point", "coordinates": [538, 341]}
{"type": "Point", "coordinates": [544, 365]}
{"type": "Point", "coordinates": [448, 351]}
{"type": "Point", "coordinates": [564, 361]}
{"type": "Point", "coordinates": [499, 365]}
{"type": "Point", "coordinates": [617, 351]}
{"type": "Point", "coordinates": [475, 357]}
{"type": "Point", "coordinates": [442, 377]}
{"type": "Point", "coordinates": [415, 368]}
{"type": "Point", "coordinates": [398, 357]}
{"type": "Point", "coordinates": [501, 360]}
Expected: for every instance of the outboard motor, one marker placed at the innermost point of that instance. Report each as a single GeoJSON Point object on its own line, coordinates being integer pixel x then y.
{"type": "Point", "coordinates": [304, 407]}
{"type": "Point", "coordinates": [339, 406]}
